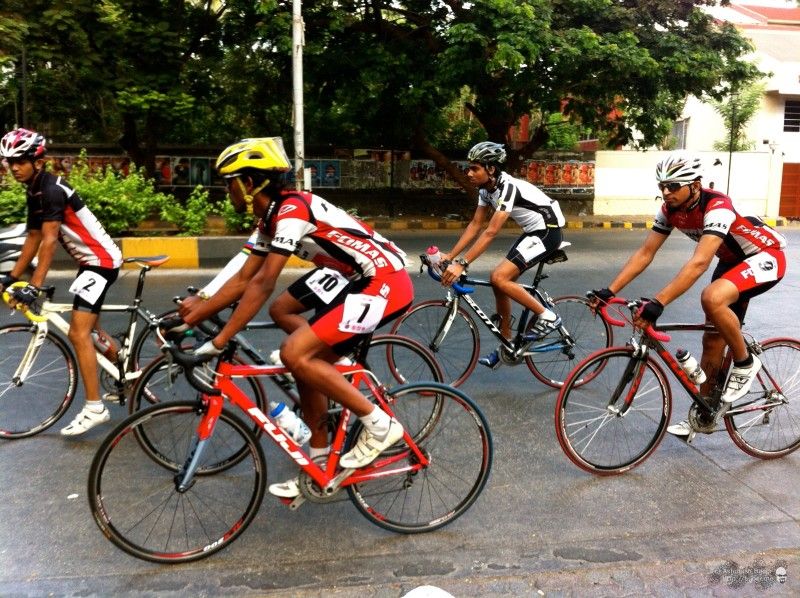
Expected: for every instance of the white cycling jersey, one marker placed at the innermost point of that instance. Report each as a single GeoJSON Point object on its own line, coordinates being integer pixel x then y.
{"type": "Point", "coordinates": [527, 204]}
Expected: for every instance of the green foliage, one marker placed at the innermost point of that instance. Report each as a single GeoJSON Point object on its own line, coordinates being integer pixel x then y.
{"type": "Point", "coordinates": [191, 218]}
{"type": "Point", "coordinates": [736, 111]}
{"type": "Point", "coordinates": [12, 201]}
{"type": "Point", "coordinates": [119, 203]}
{"type": "Point", "coordinates": [240, 223]}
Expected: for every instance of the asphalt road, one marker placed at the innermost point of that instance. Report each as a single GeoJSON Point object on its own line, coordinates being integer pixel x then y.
{"type": "Point", "coordinates": [704, 519]}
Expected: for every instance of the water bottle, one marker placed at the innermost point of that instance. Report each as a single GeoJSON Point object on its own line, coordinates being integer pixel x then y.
{"type": "Point", "coordinates": [288, 421]}
{"type": "Point", "coordinates": [105, 344]}
{"type": "Point", "coordinates": [434, 256]}
{"type": "Point", "coordinates": [690, 366]}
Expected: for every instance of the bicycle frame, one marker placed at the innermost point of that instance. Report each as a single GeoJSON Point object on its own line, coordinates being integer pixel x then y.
{"type": "Point", "coordinates": [461, 292]}
{"type": "Point", "coordinates": [50, 313]}
{"type": "Point", "coordinates": [653, 339]}
{"type": "Point", "coordinates": [325, 478]}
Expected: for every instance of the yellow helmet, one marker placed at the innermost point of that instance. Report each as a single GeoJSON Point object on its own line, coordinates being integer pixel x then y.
{"type": "Point", "coordinates": [259, 153]}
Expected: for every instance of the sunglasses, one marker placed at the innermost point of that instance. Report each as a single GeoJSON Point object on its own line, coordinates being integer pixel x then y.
{"type": "Point", "coordinates": [671, 187]}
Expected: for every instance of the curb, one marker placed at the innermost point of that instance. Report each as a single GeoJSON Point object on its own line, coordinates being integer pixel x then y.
{"type": "Point", "coordinates": [215, 252]}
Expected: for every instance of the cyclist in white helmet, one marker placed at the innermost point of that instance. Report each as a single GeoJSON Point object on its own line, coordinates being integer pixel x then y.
{"type": "Point", "coordinates": [541, 221]}
{"type": "Point", "coordinates": [751, 261]}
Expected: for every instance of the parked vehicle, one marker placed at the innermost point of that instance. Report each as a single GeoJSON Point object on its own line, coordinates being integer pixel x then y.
{"type": "Point", "coordinates": [11, 239]}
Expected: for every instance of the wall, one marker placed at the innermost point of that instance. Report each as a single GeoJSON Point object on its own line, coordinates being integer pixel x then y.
{"type": "Point", "coordinates": [625, 181]}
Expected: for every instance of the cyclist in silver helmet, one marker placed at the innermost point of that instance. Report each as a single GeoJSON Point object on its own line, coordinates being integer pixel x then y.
{"type": "Point", "coordinates": [501, 196]}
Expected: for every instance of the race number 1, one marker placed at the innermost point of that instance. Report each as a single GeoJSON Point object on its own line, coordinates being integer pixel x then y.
{"type": "Point", "coordinates": [362, 313]}
{"type": "Point", "coordinates": [88, 286]}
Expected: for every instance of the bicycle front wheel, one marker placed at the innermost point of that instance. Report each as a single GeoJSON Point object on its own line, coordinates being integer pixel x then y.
{"type": "Point", "coordinates": [403, 498]}
{"type": "Point", "coordinates": [137, 505]}
{"type": "Point", "coordinates": [455, 347]}
{"type": "Point", "coordinates": [612, 411]}
{"type": "Point", "coordinates": [36, 401]}
{"type": "Point", "coordinates": [766, 422]}
{"type": "Point", "coordinates": [165, 382]}
{"type": "Point", "coordinates": [581, 333]}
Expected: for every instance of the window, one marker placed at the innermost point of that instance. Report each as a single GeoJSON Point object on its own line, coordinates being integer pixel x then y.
{"type": "Point", "coordinates": [791, 117]}
{"type": "Point", "coordinates": [678, 133]}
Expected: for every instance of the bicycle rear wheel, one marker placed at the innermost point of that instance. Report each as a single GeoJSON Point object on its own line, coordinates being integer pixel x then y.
{"type": "Point", "coordinates": [456, 350]}
{"type": "Point", "coordinates": [766, 422]}
{"type": "Point", "coordinates": [135, 501]}
{"type": "Point", "coordinates": [48, 388]}
{"type": "Point", "coordinates": [459, 449]}
{"type": "Point", "coordinates": [595, 427]}
{"type": "Point", "coordinates": [587, 333]}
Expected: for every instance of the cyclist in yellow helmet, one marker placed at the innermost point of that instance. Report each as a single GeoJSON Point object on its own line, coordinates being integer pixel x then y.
{"type": "Point", "coordinates": [360, 283]}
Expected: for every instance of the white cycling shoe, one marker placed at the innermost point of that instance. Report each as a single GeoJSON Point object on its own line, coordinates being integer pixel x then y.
{"type": "Point", "coordinates": [287, 489]}
{"type": "Point", "coordinates": [740, 380]}
{"type": "Point", "coordinates": [369, 446]}
{"type": "Point", "coordinates": [85, 421]}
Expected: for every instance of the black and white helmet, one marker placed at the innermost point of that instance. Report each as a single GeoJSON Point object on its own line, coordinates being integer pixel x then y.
{"type": "Point", "coordinates": [22, 143]}
{"type": "Point", "coordinates": [487, 152]}
{"type": "Point", "coordinates": [679, 167]}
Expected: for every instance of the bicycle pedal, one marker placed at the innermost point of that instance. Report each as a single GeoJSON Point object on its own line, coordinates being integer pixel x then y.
{"type": "Point", "coordinates": [112, 397]}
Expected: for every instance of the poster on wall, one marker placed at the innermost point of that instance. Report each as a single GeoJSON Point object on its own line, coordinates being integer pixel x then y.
{"type": "Point", "coordinates": [181, 171]}
{"type": "Point", "coordinates": [199, 174]}
{"type": "Point", "coordinates": [330, 173]}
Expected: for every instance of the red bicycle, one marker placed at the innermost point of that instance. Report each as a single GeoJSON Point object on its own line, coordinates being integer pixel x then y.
{"type": "Point", "coordinates": [180, 480]}
{"type": "Point", "coordinates": [612, 422]}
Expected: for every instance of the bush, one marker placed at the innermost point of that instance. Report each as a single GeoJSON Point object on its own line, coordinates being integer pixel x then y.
{"type": "Point", "coordinates": [191, 218]}
{"type": "Point", "coordinates": [12, 201]}
{"type": "Point", "coordinates": [240, 223]}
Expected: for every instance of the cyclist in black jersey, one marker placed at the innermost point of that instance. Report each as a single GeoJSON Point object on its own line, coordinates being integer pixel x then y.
{"type": "Point", "coordinates": [56, 213]}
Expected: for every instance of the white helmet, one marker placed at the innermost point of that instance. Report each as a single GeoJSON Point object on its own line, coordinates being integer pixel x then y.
{"type": "Point", "coordinates": [487, 152]}
{"type": "Point", "coordinates": [22, 143]}
{"type": "Point", "coordinates": [679, 167]}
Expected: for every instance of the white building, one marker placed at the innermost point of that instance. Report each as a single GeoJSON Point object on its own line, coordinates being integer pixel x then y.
{"type": "Point", "coordinates": [774, 29]}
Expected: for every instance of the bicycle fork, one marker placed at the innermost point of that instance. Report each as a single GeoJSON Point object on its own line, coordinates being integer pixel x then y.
{"type": "Point", "coordinates": [633, 376]}
{"type": "Point", "coordinates": [25, 365]}
{"type": "Point", "coordinates": [184, 479]}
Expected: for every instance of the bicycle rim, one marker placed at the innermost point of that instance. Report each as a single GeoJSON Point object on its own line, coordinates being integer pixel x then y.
{"type": "Point", "coordinates": [457, 351]}
{"type": "Point", "coordinates": [164, 383]}
{"type": "Point", "coordinates": [396, 360]}
{"type": "Point", "coordinates": [765, 423]}
{"type": "Point", "coordinates": [48, 389]}
{"type": "Point", "coordinates": [609, 439]}
{"type": "Point", "coordinates": [134, 500]}
{"type": "Point", "coordinates": [459, 449]}
{"type": "Point", "coordinates": [588, 333]}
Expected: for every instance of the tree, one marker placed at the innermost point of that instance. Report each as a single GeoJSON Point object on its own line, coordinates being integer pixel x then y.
{"type": "Point", "coordinates": [736, 111]}
{"type": "Point", "coordinates": [614, 66]}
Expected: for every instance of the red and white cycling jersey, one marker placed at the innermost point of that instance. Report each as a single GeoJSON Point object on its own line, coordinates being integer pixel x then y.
{"type": "Point", "coordinates": [309, 227]}
{"type": "Point", "coordinates": [714, 214]}
{"type": "Point", "coordinates": [51, 199]}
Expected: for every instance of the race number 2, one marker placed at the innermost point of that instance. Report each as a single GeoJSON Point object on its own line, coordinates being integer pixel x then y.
{"type": "Point", "coordinates": [88, 286]}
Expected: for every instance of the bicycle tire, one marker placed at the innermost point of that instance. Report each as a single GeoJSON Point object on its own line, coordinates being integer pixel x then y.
{"type": "Point", "coordinates": [460, 450]}
{"type": "Point", "coordinates": [588, 331]}
{"type": "Point", "coordinates": [457, 353]}
{"type": "Point", "coordinates": [146, 347]}
{"type": "Point", "coordinates": [595, 437]}
{"type": "Point", "coordinates": [49, 387]}
{"type": "Point", "coordinates": [135, 503]}
{"type": "Point", "coordinates": [765, 423]}
{"type": "Point", "coordinates": [162, 382]}
{"type": "Point", "coordinates": [397, 360]}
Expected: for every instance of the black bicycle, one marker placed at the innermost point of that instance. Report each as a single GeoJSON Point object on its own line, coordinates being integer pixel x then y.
{"type": "Point", "coordinates": [451, 333]}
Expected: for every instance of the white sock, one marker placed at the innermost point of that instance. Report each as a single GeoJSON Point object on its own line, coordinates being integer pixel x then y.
{"type": "Point", "coordinates": [315, 452]}
{"type": "Point", "coordinates": [95, 406]}
{"type": "Point", "coordinates": [547, 315]}
{"type": "Point", "coordinates": [377, 422]}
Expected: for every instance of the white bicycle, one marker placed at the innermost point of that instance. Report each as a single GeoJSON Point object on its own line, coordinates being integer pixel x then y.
{"type": "Point", "coordinates": [38, 370]}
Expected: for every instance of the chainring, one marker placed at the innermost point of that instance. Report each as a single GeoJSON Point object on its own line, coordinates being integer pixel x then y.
{"type": "Point", "coordinates": [701, 421]}
{"type": "Point", "coordinates": [310, 489]}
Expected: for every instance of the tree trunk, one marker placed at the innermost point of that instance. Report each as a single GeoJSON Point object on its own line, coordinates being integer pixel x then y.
{"type": "Point", "coordinates": [422, 144]}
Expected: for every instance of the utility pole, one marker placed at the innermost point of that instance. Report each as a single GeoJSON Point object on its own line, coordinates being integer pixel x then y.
{"type": "Point", "coordinates": [24, 88]}
{"type": "Point", "coordinates": [730, 143]}
{"type": "Point", "coordinates": [298, 42]}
